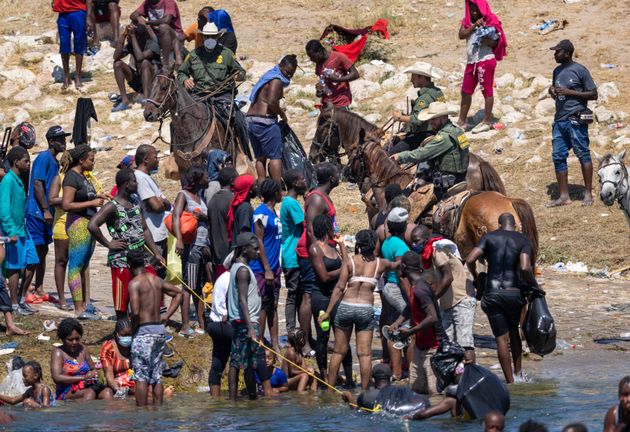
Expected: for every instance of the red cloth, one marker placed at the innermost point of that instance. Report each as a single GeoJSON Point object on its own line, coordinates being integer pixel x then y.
{"type": "Point", "coordinates": [242, 186]}
{"type": "Point", "coordinates": [66, 6]}
{"type": "Point", "coordinates": [159, 10]}
{"type": "Point", "coordinates": [427, 252]}
{"type": "Point", "coordinates": [353, 49]}
{"type": "Point", "coordinates": [340, 96]}
{"type": "Point", "coordinates": [380, 26]}
{"type": "Point", "coordinates": [490, 20]}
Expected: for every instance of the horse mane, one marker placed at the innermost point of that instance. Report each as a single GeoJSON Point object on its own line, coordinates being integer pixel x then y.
{"type": "Point", "coordinates": [381, 166]}
{"type": "Point", "coordinates": [491, 179]}
{"type": "Point", "coordinates": [608, 158]}
{"type": "Point", "coordinates": [353, 121]}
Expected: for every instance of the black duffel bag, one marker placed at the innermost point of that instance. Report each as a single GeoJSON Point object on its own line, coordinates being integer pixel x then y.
{"type": "Point", "coordinates": [481, 391]}
{"type": "Point", "coordinates": [294, 156]}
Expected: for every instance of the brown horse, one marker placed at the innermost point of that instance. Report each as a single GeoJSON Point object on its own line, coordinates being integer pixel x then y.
{"type": "Point", "coordinates": [195, 129]}
{"type": "Point", "coordinates": [372, 168]}
{"type": "Point", "coordinates": [481, 176]}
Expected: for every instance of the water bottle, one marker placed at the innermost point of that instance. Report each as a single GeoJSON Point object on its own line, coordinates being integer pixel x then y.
{"type": "Point", "coordinates": [547, 24]}
{"type": "Point", "coordinates": [5, 239]}
{"type": "Point", "coordinates": [608, 65]}
{"type": "Point", "coordinates": [325, 325]}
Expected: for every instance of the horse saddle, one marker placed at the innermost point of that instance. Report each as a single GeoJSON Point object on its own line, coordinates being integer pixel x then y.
{"type": "Point", "coordinates": [421, 199]}
{"type": "Point", "coordinates": [446, 213]}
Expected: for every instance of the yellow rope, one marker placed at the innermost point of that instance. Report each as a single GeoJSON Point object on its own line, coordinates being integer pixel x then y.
{"type": "Point", "coordinates": [313, 376]}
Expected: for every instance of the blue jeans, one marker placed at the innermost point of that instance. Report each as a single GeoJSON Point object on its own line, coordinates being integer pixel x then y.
{"type": "Point", "coordinates": [566, 135]}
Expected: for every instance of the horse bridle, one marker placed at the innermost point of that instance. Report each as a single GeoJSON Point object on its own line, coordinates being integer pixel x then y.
{"type": "Point", "coordinates": [617, 185]}
{"type": "Point", "coordinates": [169, 94]}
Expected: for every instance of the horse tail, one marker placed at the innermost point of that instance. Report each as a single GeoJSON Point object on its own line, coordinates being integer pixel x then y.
{"type": "Point", "coordinates": [525, 213]}
{"type": "Point", "coordinates": [491, 178]}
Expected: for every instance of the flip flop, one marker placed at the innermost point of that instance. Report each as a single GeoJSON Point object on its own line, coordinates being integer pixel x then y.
{"type": "Point", "coordinates": [557, 203]}
{"type": "Point", "coordinates": [64, 307]}
{"type": "Point", "coordinates": [187, 334]}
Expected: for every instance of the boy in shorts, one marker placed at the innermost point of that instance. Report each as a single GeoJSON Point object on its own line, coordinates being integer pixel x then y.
{"type": "Point", "coordinates": [72, 21]}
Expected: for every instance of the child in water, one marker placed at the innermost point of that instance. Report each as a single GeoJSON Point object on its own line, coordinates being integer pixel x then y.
{"type": "Point", "coordinates": [298, 379]}
{"type": "Point", "coordinates": [38, 394]}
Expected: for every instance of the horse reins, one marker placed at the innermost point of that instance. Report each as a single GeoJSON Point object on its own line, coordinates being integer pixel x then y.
{"type": "Point", "coordinates": [624, 179]}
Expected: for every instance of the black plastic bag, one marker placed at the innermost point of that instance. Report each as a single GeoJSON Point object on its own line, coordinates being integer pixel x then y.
{"type": "Point", "coordinates": [444, 362]}
{"type": "Point", "coordinates": [539, 328]}
{"type": "Point", "coordinates": [480, 391]}
{"type": "Point", "coordinates": [294, 156]}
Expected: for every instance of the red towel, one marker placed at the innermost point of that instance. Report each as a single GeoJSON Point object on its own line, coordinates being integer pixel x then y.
{"type": "Point", "coordinates": [353, 49]}
{"type": "Point", "coordinates": [242, 186]}
{"type": "Point", "coordinates": [491, 20]}
{"type": "Point", "coordinates": [427, 253]}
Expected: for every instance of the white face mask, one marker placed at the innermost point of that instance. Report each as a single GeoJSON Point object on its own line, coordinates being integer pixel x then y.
{"type": "Point", "coordinates": [210, 44]}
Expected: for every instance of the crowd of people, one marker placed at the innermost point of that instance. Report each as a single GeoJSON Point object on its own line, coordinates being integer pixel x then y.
{"type": "Point", "coordinates": [243, 252]}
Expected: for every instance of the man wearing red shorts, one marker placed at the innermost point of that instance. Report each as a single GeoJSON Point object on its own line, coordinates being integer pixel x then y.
{"type": "Point", "coordinates": [485, 45]}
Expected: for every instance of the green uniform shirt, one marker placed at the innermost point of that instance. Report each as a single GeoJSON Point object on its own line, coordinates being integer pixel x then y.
{"type": "Point", "coordinates": [446, 152]}
{"type": "Point", "coordinates": [208, 69]}
{"type": "Point", "coordinates": [426, 95]}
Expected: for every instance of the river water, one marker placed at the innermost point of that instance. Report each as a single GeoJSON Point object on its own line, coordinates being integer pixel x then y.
{"type": "Point", "coordinates": [579, 385]}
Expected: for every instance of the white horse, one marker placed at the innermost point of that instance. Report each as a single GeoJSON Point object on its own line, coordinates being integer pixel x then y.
{"type": "Point", "coordinates": [613, 182]}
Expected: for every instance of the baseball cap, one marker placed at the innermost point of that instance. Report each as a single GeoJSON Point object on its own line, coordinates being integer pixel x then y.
{"type": "Point", "coordinates": [56, 131]}
{"type": "Point", "coordinates": [381, 372]}
{"type": "Point", "coordinates": [564, 44]}
{"type": "Point", "coordinates": [398, 214]}
{"type": "Point", "coordinates": [126, 162]}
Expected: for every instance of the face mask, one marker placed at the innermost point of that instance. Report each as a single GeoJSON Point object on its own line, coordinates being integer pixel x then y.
{"type": "Point", "coordinates": [210, 44]}
{"type": "Point", "coordinates": [124, 341]}
{"type": "Point", "coordinates": [154, 171]}
{"type": "Point", "coordinates": [417, 248]}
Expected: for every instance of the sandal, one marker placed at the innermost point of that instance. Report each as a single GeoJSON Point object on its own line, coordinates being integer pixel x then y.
{"type": "Point", "coordinates": [65, 307]}
{"type": "Point", "coordinates": [188, 334]}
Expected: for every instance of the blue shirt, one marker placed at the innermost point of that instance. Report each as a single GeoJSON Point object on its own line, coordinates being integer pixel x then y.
{"type": "Point", "coordinates": [278, 378]}
{"type": "Point", "coordinates": [292, 219]}
{"type": "Point", "coordinates": [573, 76]}
{"type": "Point", "coordinates": [45, 169]}
{"type": "Point", "coordinates": [272, 238]}
{"type": "Point", "coordinates": [393, 247]}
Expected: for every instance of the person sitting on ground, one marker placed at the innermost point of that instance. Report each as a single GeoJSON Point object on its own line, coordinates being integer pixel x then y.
{"type": "Point", "coordinates": [278, 380]}
{"type": "Point", "coordinates": [105, 11]}
{"type": "Point", "coordinates": [335, 71]}
{"type": "Point", "coordinates": [392, 399]}
{"type": "Point", "coordinates": [145, 63]}
{"type": "Point", "coordinates": [265, 133]}
{"type": "Point", "coordinates": [618, 417]}
{"type": "Point", "coordinates": [146, 292]}
{"type": "Point", "coordinates": [293, 352]}
{"type": "Point", "coordinates": [222, 20]}
{"type": "Point", "coordinates": [128, 231]}
{"type": "Point", "coordinates": [353, 300]}
{"type": "Point", "coordinates": [38, 394]}
{"type": "Point", "coordinates": [115, 357]}
{"type": "Point", "coordinates": [509, 256]}
{"type": "Point", "coordinates": [164, 23]}
{"type": "Point", "coordinates": [416, 130]}
{"type": "Point", "coordinates": [72, 368]}
{"type": "Point", "coordinates": [494, 421]}
{"type": "Point", "coordinates": [446, 153]}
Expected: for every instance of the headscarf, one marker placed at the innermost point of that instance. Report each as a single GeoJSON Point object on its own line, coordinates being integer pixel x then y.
{"type": "Point", "coordinates": [491, 20]}
{"type": "Point", "coordinates": [216, 158]}
{"type": "Point", "coordinates": [242, 185]}
{"type": "Point", "coordinates": [222, 20]}
{"type": "Point", "coordinates": [25, 134]}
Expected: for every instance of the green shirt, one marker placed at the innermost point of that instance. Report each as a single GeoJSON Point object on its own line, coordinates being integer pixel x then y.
{"type": "Point", "coordinates": [447, 151]}
{"type": "Point", "coordinates": [209, 69]}
{"type": "Point", "coordinates": [426, 95]}
{"type": "Point", "coordinates": [12, 206]}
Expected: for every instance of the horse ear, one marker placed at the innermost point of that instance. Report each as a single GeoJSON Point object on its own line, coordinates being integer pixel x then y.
{"type": "Point", "coordinates": [361, 136]}
{"type": "Point", "coordinates": [621, 155]}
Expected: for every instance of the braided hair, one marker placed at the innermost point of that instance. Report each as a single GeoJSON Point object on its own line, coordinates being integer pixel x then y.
{"type": "Point", "coordinates": [365, 244]}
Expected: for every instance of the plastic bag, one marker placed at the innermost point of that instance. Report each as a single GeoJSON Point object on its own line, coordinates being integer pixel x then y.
{"type": "Point", "coordinates": [539, 328]}
{"type": "Point", "coordinates": [480, 391]}
{"type": "Point", "coordinates": [294, 156]}
{"type": "Point", "coordinates": [13, 384]}
{"type": "Point", "coordinates": [400, 401]}
{"type": "Point", "coordinates": [444, 362]}
{"type": "Point", "coordinates": [174, 261]}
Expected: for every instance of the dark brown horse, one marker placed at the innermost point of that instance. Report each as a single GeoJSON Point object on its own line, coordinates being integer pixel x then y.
{"type": "Point", "coordinates": [194, 126]}
{"type": "Point", "coordinates": [481, 176]}
{"type": "Point", "coordinates": [371, 167]}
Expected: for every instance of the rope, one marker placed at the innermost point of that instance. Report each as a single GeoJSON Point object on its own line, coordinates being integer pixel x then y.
{"type": "Point", "coordinates": [314, 376]}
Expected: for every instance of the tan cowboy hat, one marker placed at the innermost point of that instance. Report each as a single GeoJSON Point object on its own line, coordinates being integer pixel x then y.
{"type": "Point", "coordinates": [436, 109]}
{"type": "Point", "coordinates": [210, 29]}
{"type": "Point", "coordinates": [422, 68]}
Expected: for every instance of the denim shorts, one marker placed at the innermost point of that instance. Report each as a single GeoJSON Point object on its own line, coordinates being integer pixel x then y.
{"type": "Point", "coordinates": [566, 135]}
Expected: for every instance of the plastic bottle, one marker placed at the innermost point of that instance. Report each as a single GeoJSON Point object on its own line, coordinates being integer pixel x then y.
{"type": "Point", "coordinates": [324, 325]}
{"type": "Point", "coordinates": [5, 239]}
{"type": "Point", "coordinates": [608, 65]}
{"type": "Point", "coordinates": [547, 24]}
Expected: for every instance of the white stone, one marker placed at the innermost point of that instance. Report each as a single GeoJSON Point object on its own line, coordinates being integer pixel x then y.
{"type": "Point", "coordinates": [363, 89]}
{"type": "Point", "coordinates": [373, 118]}
{"type": "Point", "coordinates": [20, 115]}
{"type": "Point", "coordinates": [507, 109]}
{"type": "Point", "coordinates": [544, 94]}
{"type": "Point", "coordinates": [257, 69]}
{"type": "Point", "coordinates": [541, 82]}
{"type": "Point", "coordinates": [103, 61]}
{"type": "Point", "coordinates": [518, 83]}
{"type": "Point", "coordinates": [50, 65]}
{"type": "Point", "coordinates": [22, 40]}
{"type": "Point", "coordinates": [294, 111]}
{"type": "Point", "coordinates": [49, 37]}
{"type": "Point", "coordinates": [602, 140]}
{"type": "Point", "coordinates": [536, 159]}
{"type": "Point", "coordinates": [396, 82]}
{"type": "Point", "coordinates": [523, 93]}
{"type": "Point", "coordinates": [545, 107]}
{"type": "Point", "coordinates": [603, 115]}
{"type": "Point", "coordinates": [21, 76]}
{"type": "Point", "coordinates": [505, 80]}
{"type": "Point", "coordinates": [305, 103]}
{"type": "Point", "coordinates": [117, 117]}
{"type": "Point", "coordinates": [29, 94]}
{"type": "Point", "coordinates": [527, 75]}
{"type": "Point", "coordinates": [375, 70]}
{"type": "Point", "coordinates": [385, 98]}
{"type": "Point", "coordinates": [513, 117]}
{"type": "Point", "coordinates": [301, 91]}
{"type": "Point", "coordinates": [608, 90]}
{"type": "Point", "coordinates": [522, 106]}
{"type": "Point", "coordinates": [32, 57]}
{"type": "Point", "coordinates": [6, 50]}
{"type": "Point", "coordinates": [8, 89]}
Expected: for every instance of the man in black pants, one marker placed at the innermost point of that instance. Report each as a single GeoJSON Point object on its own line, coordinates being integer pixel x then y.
{"type": "Point", "coordinates": [510, 269]}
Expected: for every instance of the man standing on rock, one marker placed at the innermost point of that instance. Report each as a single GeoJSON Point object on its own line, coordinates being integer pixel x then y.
{"type": "Point", "coordinates": [446, 153]}
{"type": "Point", "coordinates": [72, 21]}
{"type": "Point", "coordinates": [510, 268]}
{"type": "Point", "coordinates": [416, 131]}
{"type": "Point", "coordinates": [572, 88]}
{"type": "Point", "coordinates": [335, 71]}
{"type": "Point", "coordinates": [262, 117]}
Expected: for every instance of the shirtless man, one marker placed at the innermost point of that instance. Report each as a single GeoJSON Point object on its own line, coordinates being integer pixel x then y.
{"type": "Point", "coordinates": [262, 117]}
{"type": "Point", "coordinates": [618, 417]}
{"type": "Point", "coordinates": [145, 295]}
{"type": "Point", "coordinates": [509, 257]}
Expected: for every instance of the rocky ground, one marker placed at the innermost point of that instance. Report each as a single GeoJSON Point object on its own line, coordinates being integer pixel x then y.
{"type": "Point", "coordinates": [422, 30]}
